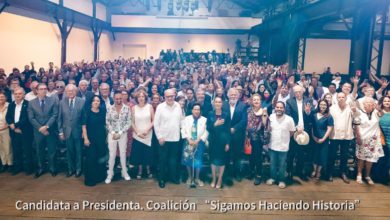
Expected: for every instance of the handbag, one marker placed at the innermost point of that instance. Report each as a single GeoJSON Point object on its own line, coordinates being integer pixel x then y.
{"type": "Point", "coordinates": [382, 137]}
{"type": "Point", "coordinates": [247, 147]}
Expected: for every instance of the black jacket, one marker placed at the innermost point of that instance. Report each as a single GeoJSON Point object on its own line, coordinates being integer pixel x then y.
{"type": "Point", "coordinates": [23, 123]}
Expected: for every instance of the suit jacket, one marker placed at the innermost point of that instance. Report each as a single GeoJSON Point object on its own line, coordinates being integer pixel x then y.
{"type": "Point", "coordinates": [292, 110]}
{"type": "Point", "coordinates": [70, 122]}
{"type": "Point", "coordinates": [103, 103]}
{"type": "Point", "coordinates": [23, 123]}
{"type": "Point", "coordinates": [240, 118]}
{"type": "Point", "coordinates": [87, 96]}
{"type": "Point", "coordinates": [48, 116]}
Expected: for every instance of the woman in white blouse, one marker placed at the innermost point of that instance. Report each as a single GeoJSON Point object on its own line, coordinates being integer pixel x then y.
{"type": "Point", "coordinates": [142, 123]}
{"type": "Point", "coordinates": [193, 131]}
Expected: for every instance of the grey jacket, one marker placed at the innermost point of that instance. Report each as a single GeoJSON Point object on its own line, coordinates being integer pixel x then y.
{"type": "Point", "coordinates": [70, 122]}
{"type": "Point", "coordinates": [48, 116]}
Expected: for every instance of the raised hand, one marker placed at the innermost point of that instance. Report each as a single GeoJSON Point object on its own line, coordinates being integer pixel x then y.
{"type": "Point", "coordinates": [385, 83]}
{"type": "Point", "coordinates": [352, 105]}
{"type": "Point", "coordinates": [308, 108]}
{"type": "Point", "coordinates": [355, 80]}
{"type": "Point", "coordinates": [280, 82]}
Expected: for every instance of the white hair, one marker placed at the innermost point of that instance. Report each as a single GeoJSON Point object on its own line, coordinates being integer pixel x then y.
{"type": "Point", "coordinates": [83, 81]}
{"type": "Point", "coordinates": [70, 87]}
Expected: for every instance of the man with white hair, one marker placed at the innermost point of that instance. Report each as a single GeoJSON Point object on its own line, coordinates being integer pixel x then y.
{"type": "Point", "coordinates": [167, 128]}
{"type": "Point", "coordinates": [71, 117]}
{"type": "Point", "coordinates": [299, 109]}
{"type": "Point", "coordinates": [105, 95]}
{"type": "Point", "coordinates": [83, 91]}
{"type": "Point", "coordinates": [238, 115]}
{"type": "Point", "coordinates": [21, 133]}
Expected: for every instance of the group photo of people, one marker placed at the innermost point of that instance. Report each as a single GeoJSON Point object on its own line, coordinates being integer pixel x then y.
{"type": "Point", "coordinates": [205, 122]}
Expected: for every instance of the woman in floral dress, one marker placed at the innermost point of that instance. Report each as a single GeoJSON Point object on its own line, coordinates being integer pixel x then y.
{"type": "Point", "coordinates": [368, 143]}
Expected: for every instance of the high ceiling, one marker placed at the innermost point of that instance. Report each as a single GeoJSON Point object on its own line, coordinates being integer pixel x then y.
{"type": "Point", "coordinates": [255, 6]}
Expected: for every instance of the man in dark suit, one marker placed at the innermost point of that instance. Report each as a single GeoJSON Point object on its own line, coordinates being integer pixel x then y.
{"type": "Point", "coordinates": [21, 133]}
{"type": "Point", "coordinates": [83, 92]}
{"type": "Point", "coordinates": [105, 95]}
{"type": "Point", "coordinates": [71, 117]}
{"type": "Point", "coordinates": [299, 109]}
{"type": "Point", "coordinates": [43, 113]}
{"type": "Point", "coordinates": [238, 114]}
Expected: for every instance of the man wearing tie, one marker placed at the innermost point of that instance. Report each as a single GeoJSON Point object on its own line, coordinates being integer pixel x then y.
{"type": "Point", "coordinates": [70, 119]}
{"type": "Point", "coordinates": [21, 133]}
{"type": "Point", "coordinates": [43, 113]}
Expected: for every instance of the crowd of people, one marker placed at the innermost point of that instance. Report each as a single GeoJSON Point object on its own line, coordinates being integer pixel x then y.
{"type": "Point", "coordinates": [168, 117]}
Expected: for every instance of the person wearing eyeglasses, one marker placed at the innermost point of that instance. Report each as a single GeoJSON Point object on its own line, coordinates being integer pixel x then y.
{"type": "Point", "coordinates": [60, 88]}
{"type": "Point", "coordinates": [43, 113]}
{"type": "Point", "coordinates": [167, 128]}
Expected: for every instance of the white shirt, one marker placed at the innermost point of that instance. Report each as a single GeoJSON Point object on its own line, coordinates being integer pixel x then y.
{"type": "Point", "coordinates": [167, 121]}
{"type": "Point", "coordinates": [232, 108]}
{"type": "Point", "coordinates": [280, 132]}
{"type": "Point", "coordinates": [18, 110]}
{"type": "Point", "coordinates": [142, 120]}
{"type": "Point", "coordinates": [342, 120]}
{"type": "Point", "coordinates": [350, 99]}
{"type": "Point", "coordinates": [107, 102]}
{"type": "Point", "coordinates": [300, 113]}
{"type": "Point", "coordinates": [70, 101]}
{"type": "Point", "coordinates": [30, 96]}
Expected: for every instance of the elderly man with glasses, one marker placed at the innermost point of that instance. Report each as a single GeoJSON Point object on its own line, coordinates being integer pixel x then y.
{"type": "Point", "coordinates": [167, 128]}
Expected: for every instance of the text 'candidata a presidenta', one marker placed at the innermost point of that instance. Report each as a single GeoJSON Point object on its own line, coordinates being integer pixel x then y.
{"type": "Point", "coordinates": [186, 205]}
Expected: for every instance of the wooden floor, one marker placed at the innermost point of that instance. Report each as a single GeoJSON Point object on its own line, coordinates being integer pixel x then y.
{"type": "Point", "coordinates": [374, 201]}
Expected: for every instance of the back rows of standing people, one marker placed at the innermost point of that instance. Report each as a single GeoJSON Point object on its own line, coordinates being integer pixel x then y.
{"type": "Point", "coordinates": [119, 108]}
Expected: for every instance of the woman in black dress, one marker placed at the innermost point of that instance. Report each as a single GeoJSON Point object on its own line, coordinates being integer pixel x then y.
{"type": "Point", "coordinates": [322, 127]}
{"type": "Point", "coordinates": [218, 126]}
{"type": "Point", "coordinates": [94, 134]}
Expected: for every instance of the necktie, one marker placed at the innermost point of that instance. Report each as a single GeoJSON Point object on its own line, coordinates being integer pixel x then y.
{"type": "Point", "coordinates": [43, 105]}
{"type": "Point", "coordinates": [71, 105]}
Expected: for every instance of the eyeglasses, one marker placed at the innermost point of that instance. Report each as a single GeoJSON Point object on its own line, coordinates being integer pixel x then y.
{"type": "Point", "coordinates": [59, 87]}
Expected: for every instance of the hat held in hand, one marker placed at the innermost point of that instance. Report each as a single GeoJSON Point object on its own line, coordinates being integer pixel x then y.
{"type": "Point", "coordinates": [302, 139]}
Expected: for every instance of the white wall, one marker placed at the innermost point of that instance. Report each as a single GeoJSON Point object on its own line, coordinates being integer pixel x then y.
{"type": "Point", "coordinates": [83, 6]}
{"type": "Point", "coordinates": [135, 21]}
{"type": "Point", "coordinates": [42, 43]}
{"type": "Point", "coordinates": [157, 42]}
{"type": "Point", "coordinates": [321, 53]}
{"type": "Point", "coordinates": [101, 12]}
{"type": "Point", "coordinates": [105, 48]}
